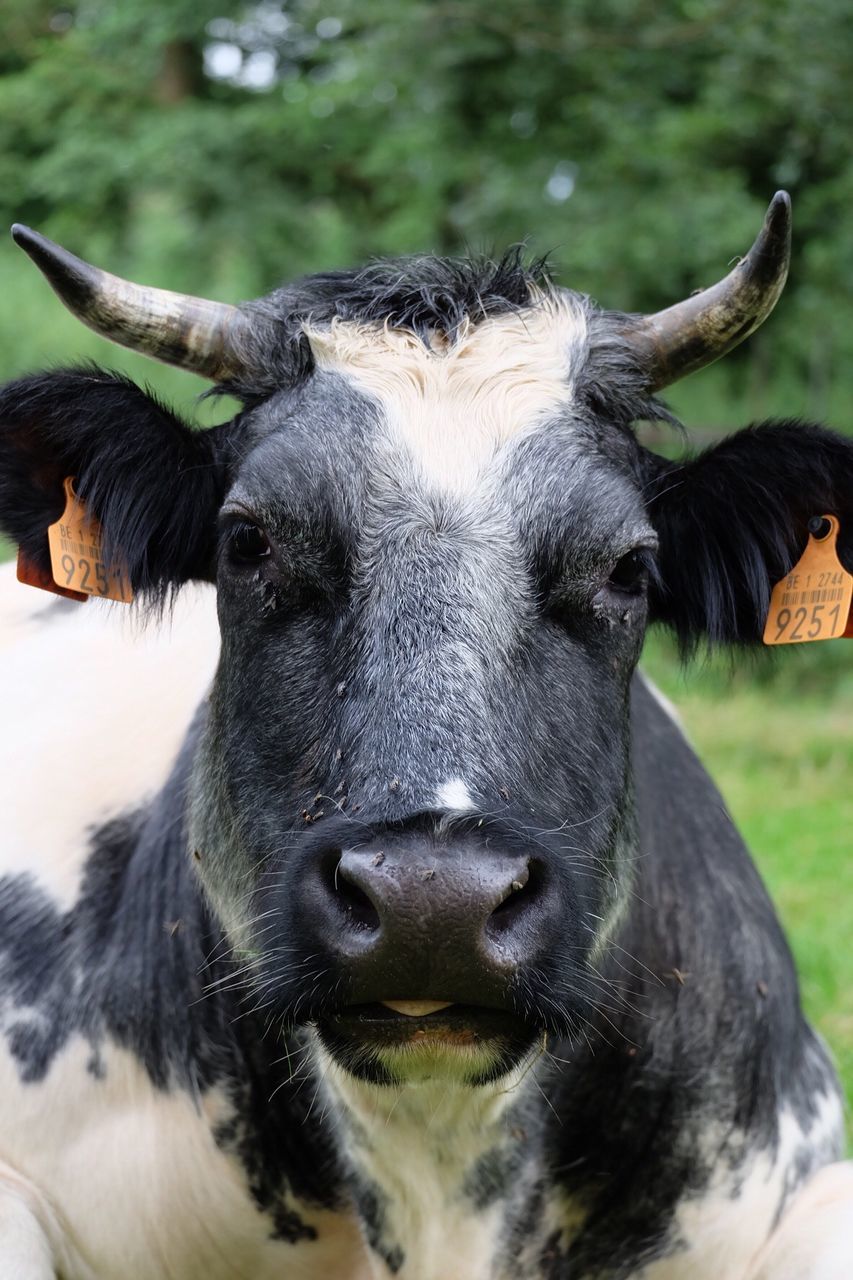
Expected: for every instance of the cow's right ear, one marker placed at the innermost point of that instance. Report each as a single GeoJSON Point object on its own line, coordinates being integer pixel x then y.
{"type": "Point", "coordinates": [153, 482]}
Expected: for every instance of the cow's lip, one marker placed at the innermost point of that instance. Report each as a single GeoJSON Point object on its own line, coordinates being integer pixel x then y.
{"type": "Point", "coordinates": [445, 1024]}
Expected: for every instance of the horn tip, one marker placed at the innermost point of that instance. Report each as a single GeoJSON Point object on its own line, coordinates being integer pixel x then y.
{"type": "Point", "coordinates": [70, 278]}
{"type": "Point", "coordinates": [33, 243]}
{"type": "Point", "coordinates": [771, 254]}
{"type": "Point", "coordinates": [23, 236]}
{"type": "Point", "coordinates": [778, 218]}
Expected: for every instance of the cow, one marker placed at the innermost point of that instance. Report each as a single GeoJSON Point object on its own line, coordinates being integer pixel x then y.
{"type": "Point", "coordinates": [366, 913]}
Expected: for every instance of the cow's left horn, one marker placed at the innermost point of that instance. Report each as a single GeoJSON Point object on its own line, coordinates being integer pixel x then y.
{"type": "Point", "coordinates": [707, 325]}
{"type": "Point", "coordinates": [192, 333]}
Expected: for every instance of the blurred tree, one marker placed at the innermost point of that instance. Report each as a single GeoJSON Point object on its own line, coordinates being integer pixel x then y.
{"type": "Point", "coordinates": [220, 146]}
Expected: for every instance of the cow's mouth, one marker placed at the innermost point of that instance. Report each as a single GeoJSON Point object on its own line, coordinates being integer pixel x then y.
{"type": "Point", "coordinates": [405, 1033]}
{"type": "Point", "coordinates": [413, 1021]}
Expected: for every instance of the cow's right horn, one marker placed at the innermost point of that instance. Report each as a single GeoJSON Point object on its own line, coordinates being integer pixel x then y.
{"type": "Point", "coordinates": [191, 333]}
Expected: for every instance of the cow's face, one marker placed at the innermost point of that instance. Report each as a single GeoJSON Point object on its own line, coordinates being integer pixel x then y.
{"type": "Point", "coordinates": [431, 532]}
{"type": "Point", "coordinates": [413, 787]}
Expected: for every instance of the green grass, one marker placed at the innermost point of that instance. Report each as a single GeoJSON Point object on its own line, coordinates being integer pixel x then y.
{"type": "Point", "coordinates": [781, 750]}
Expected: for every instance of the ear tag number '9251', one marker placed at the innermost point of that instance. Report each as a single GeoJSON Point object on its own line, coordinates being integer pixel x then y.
{"type": "Point", "coordinates": [76, 555]}
{"type": "Point", "coordinates": [812, 602]}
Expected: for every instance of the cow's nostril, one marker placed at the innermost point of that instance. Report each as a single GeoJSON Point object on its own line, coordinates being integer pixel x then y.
{"type": "Point", "coordinates": [353, 903]}
{"type": "Point", "coordinates": [519, 896]}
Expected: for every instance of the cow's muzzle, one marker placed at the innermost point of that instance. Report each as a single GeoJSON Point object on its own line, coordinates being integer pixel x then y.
{"type": "Point", "coordinates": [410, 917]}
{"type": "Point", "coordinates": [430, 933]}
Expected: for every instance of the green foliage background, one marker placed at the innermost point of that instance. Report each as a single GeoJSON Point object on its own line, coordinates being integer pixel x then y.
{"type": "Point", "coordinates": [221, 147]}
{"type": "Point", "coordinates": [635, 140]}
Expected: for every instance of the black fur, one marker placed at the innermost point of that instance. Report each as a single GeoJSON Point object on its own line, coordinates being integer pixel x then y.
{"type": "Point", "coordinates": [711, 1006]}
{"type": "Point", "coordinates": [373, 1212]}
{"type": "Point", "coordinates": [733, 521]}
{"type": "Point", "coordinates": [422, 293]}
{"type": "Point", "coordinates": [618, 1119]}
{"type": "Point", "coordinates": [154, 483]}
{"type": "Point", "coordinates": [138, 962]}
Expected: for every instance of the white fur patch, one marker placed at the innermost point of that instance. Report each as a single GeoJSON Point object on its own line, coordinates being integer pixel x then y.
{"type": "Point", "coordinates": [454, 796]}
{"type": "Point", "coordinates": [815, 1237]}
{"type": "Point", "coordinates": [110, 1177]}
{"type": "Point", "coordinates": [94, 710]}
{"type": "Point", "coordinates": [453, 405]}
{"type": "Point", "coordinates": [725, 1228]}
{"type": "Point", "coordinates": [27, 1227]}
{"type": "Point", "coordinates": [422, 1143]}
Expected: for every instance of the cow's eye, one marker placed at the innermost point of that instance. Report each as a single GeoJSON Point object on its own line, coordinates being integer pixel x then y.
{"type": "Point", "coordinates": [247, 543]}
{"type": "Point", "coordinates": [630, 573]}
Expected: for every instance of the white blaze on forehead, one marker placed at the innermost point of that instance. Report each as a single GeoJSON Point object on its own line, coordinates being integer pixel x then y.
{"type": "Point", "coordinates": [453, 404]}
{"type": "Point", "coordinates": [455, 796]}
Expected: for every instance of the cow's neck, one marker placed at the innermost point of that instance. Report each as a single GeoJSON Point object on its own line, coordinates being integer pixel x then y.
{"type": "Point", "coordinates": [439, 1172]}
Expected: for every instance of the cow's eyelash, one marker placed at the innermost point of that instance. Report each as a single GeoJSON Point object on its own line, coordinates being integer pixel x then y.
{"type": "Point", "coordinates": [247, 543]}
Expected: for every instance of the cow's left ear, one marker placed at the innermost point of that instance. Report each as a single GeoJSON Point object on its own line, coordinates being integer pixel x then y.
{"type": "Point", "coordinates": [154, 483]}
{"type": "Point", "coordinates": [734, 520]}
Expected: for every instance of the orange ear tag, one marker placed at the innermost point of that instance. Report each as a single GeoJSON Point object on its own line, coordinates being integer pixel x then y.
{"type": "Point", "coordinates": [76, 556]}
{"type": "Point", "coordinates": [813, 601]}
{"type": "Point", "coordinates": [32, 575]}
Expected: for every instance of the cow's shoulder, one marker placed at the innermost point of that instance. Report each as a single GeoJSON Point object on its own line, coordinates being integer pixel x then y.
{"type": "Point", "coordinates": [95, 700]}
{"type": "Point", "coordinates": [127, 1101]}
{"type": "Point", "coordinates": [745, 1100]}
{"type": "Point", "coordinates": [124, 1178]}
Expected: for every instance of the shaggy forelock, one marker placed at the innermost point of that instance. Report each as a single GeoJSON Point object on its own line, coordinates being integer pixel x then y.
{"type": "Point", "coordinates": [427, 296]}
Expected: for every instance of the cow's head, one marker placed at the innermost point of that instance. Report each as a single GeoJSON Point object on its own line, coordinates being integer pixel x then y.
{"type": "Point", "coordinates": [437, 546]}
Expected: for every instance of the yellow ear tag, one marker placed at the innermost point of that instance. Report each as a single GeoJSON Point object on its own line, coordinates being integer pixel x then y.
{"type": "Point", "coordinates": [76, 557]}
{"type": "Point", "coordinates": [813, 601]}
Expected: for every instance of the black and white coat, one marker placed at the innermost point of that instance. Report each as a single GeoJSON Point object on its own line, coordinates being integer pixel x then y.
{"type": "Point", "coordinates": [167, 1105]}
